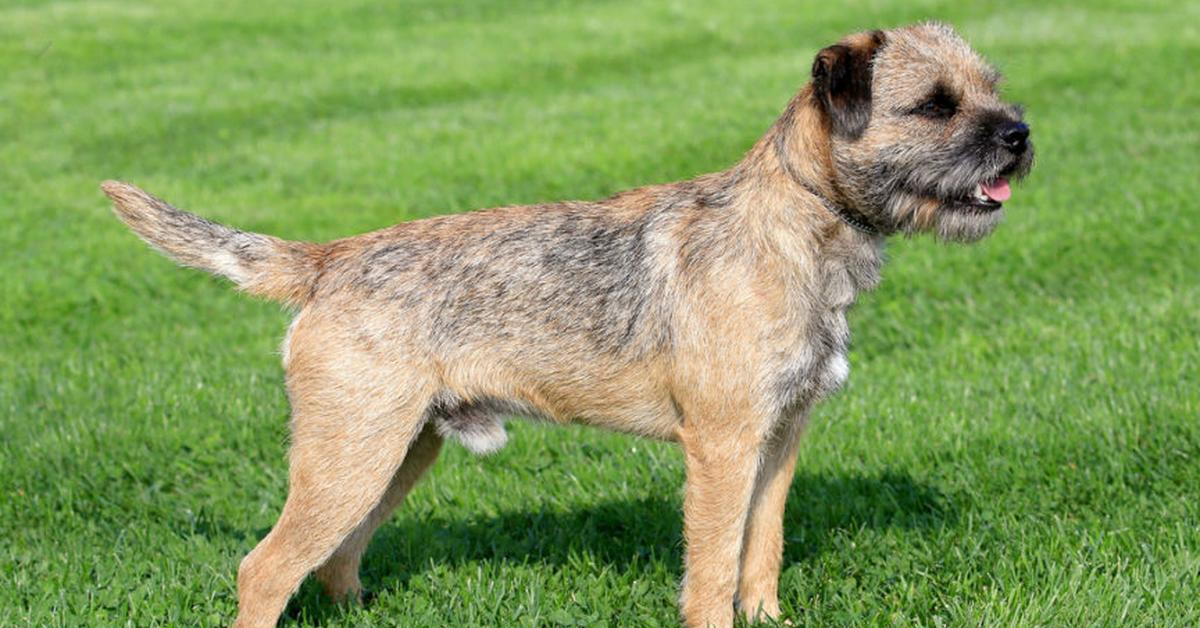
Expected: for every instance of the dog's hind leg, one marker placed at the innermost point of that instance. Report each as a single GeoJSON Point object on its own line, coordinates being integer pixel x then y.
{"type": "Point", "coordinates": [339, 575]}
{"type": "Point", "coordinates": [350, 434]}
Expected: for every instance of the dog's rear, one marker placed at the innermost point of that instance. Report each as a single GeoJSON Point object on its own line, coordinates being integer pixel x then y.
{"type": "Point", "coordinates": [259, 264]}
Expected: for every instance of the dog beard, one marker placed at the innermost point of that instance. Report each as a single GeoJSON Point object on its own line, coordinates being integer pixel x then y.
{"type": "Point", "coordinates": [958, 196]}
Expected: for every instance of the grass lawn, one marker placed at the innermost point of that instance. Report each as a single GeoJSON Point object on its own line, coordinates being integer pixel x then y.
{"type": "Point", "coordinates": [1019, 443]}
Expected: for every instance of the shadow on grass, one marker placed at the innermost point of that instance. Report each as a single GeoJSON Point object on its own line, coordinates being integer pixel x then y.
{"type": "Point", "coordinates": [642, 534]}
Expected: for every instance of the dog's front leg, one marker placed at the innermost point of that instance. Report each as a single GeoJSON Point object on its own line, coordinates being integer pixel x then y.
{"type": "Point", "coordinates": [722, 455]}
{"type": "Point", "coordinates": [762, 553]}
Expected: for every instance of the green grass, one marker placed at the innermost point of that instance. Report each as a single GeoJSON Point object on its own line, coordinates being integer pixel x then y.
{"type": "Point", "coordinates": [1018, 444]}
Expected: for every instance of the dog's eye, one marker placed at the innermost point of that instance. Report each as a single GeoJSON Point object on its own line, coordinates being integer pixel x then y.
{"type": "Point", "coordinates": [939, 106]}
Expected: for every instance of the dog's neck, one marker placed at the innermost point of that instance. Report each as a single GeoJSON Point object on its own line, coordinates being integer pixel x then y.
{"type": "Point", "coordinates": [796, 149]}
{"type": "Point", "coordinates": [790, 196]}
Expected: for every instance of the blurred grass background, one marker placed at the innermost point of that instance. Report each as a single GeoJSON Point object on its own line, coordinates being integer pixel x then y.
{"type": "Point", "coordinates": [1018, 444]}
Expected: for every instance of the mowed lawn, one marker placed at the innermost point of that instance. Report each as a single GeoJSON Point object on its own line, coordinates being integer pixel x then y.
{"type": "Point", "coordinates": [1019, 443]}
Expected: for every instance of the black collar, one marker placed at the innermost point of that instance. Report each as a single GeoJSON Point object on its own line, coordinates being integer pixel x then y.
{"type": "Point", "coordinates": [852, 217]}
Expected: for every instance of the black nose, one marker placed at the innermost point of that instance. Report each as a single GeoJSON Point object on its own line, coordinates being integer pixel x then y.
{"type": "Point", "coordinates": [1012, 135]}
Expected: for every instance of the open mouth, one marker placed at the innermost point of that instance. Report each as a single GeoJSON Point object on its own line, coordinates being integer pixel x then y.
{"type": "Point", "coordinates": [987, 196]}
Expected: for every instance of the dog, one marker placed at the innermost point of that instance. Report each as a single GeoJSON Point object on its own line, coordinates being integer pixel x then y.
{"type": "Point", "coordinates": [709, 312]}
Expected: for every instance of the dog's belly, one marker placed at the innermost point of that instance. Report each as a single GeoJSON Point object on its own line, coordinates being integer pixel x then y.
{"type": "Point", "coordinates": [479, 424]}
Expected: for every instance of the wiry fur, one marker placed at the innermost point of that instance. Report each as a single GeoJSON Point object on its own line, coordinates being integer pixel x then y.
{"type": "Point", "coordinates": [259, 264]}
{"type": "Point", "coordinates": [709, 312]}
{"type": "Point", "coordinates": [908, 172]}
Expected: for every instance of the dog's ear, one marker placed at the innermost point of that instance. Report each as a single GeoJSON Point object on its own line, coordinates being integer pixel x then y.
{"type": "Point", "coordinates": [841, 79]}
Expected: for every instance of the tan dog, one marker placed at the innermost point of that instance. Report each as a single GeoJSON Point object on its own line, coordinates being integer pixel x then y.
{"type": "Point", "coordinates": [710, 312]}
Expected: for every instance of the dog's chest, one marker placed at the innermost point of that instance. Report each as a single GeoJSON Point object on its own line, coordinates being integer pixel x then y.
{"type": "Point", "coordinates": [818, 365]}
{"type": "Point", "coordinates": [815, 364]}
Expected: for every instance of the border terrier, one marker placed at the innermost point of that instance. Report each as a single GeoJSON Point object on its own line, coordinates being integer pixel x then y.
{"type": "Point", "coordinates": [709, 312]}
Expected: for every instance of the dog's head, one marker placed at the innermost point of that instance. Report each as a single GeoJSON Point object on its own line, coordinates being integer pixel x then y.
{"type": "Point", "coordinates": [919, 137]}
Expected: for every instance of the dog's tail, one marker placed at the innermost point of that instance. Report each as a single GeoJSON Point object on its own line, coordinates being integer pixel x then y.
{"type": "Point", "coordinates": [259, 264]}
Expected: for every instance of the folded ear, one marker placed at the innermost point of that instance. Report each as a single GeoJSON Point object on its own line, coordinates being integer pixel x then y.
{"type": "Point", "coordinates": [841, 78]}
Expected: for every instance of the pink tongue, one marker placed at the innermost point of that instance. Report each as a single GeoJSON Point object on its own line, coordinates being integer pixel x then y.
{"type": "Point", "coordinates": [997, 190]}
